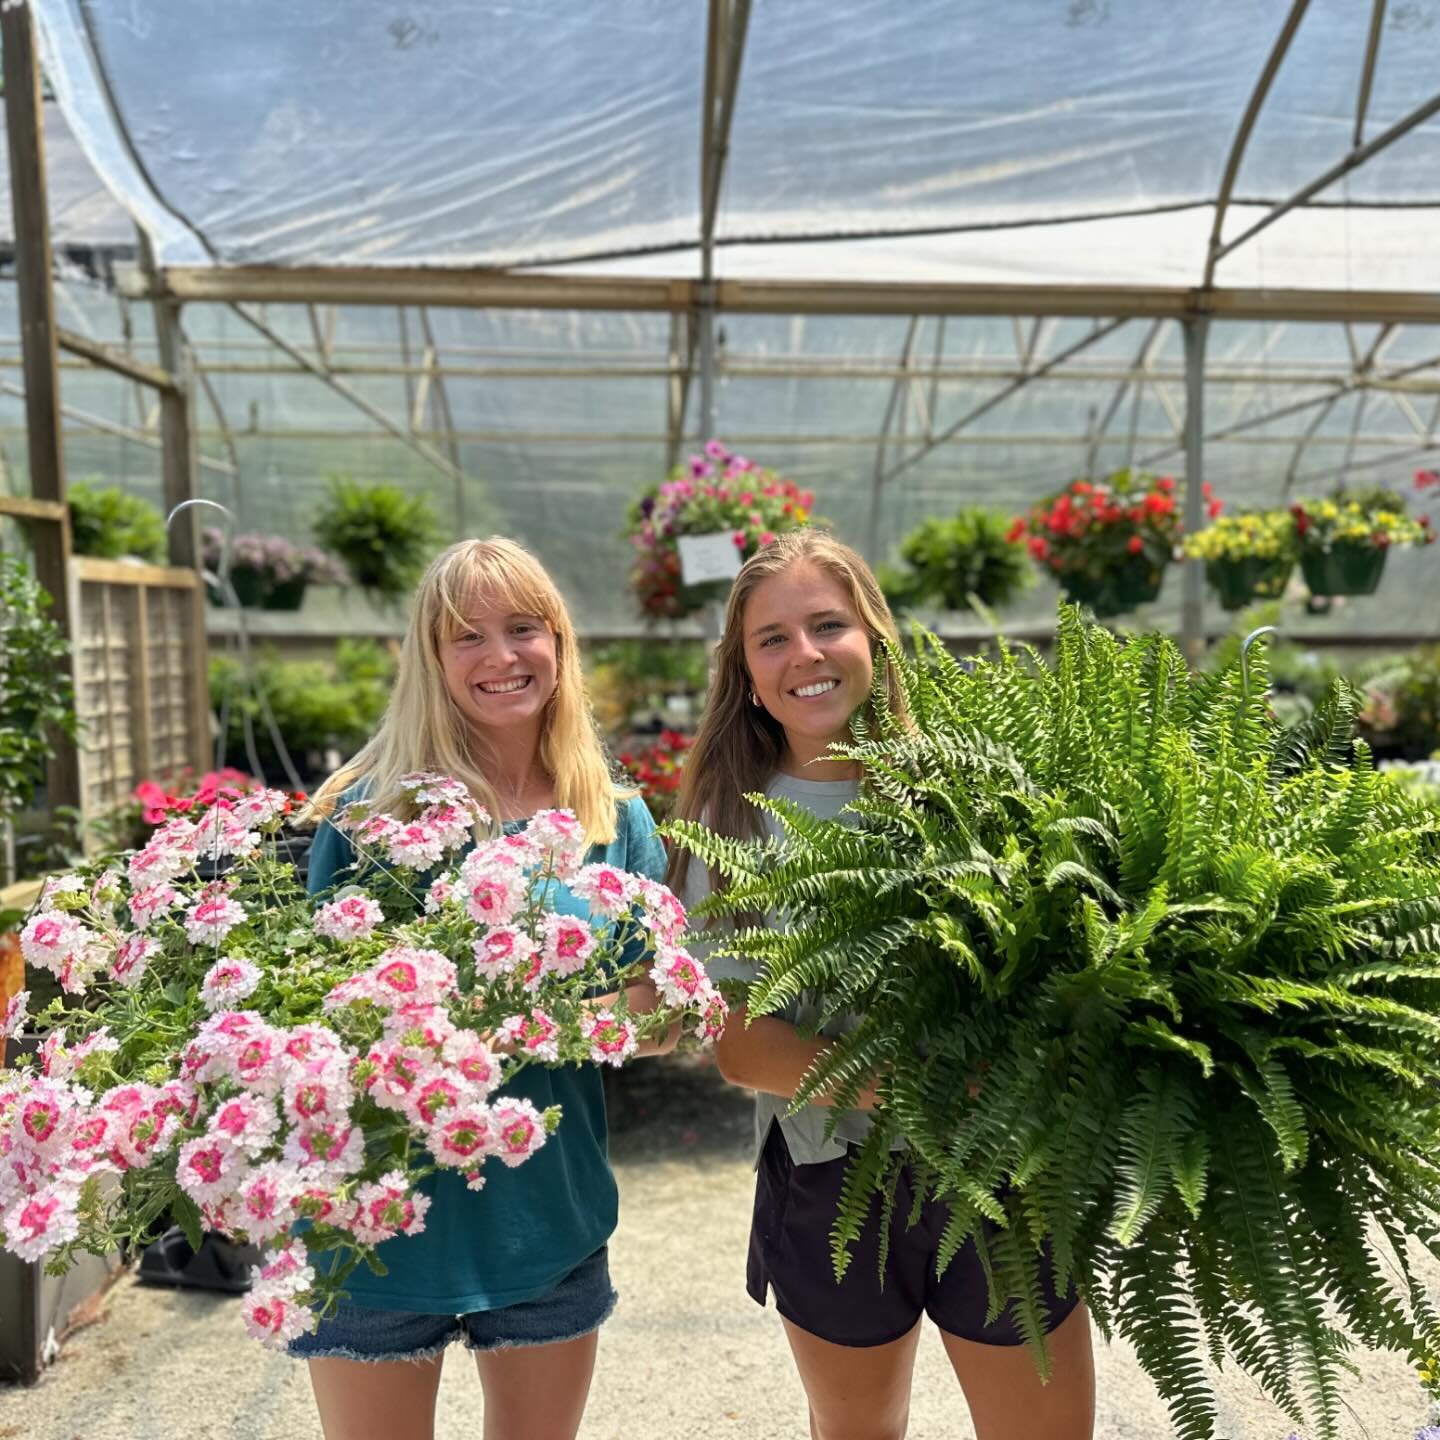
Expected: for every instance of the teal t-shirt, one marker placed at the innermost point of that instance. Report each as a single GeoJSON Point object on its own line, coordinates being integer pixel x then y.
{"type": "Point", "coordinates": [530, 1226]}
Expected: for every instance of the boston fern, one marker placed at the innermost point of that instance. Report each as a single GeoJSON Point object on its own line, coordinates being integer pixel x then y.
{"type": "Point", "coordinates": [1143, 973]}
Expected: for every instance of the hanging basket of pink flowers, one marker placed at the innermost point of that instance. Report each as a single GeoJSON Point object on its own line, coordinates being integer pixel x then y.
{"type": "Point", "coordinates": [711, 493]}
{"type": "Point", "coordinates": [1107, 542]}
{"type": "Point", "coordinates": [231, 1052]}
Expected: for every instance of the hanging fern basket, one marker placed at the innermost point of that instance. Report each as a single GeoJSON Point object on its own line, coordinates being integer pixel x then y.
{"type": "Point", "coordinates": [1344, 569]}
{"type": "Point", "coordinates": [1244, 579]}
{"type": "Point", "coordinates": [1119, 590]}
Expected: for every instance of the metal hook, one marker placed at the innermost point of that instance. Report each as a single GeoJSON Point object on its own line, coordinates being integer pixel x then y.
{"type": "Point", "coordinates": [1245, 645]}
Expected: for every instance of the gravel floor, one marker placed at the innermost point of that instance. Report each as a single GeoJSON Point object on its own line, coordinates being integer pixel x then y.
{"type": "Point", "coordinates": [687, 1353]}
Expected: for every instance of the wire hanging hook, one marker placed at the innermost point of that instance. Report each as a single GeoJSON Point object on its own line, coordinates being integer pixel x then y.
{"type": "Point", "coordinates": [1245, 645]}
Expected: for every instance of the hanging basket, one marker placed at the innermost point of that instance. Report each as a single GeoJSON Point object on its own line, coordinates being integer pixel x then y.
{"type": "Point", "coordinates": [285, 594]}
{"type": "Point", "coordinates": [250, 585]}
{"type": "Point", "coordinates": [1116, 592]}
{"type": "Point", "coordinates": [1240, 581]}
{"type": "Point", "coordinates": [1344, 569]}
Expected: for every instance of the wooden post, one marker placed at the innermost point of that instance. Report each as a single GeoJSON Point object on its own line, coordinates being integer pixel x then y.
{"type": "Point", "coordinates": [33, 271]}
{"type": "Point", "coordinates": [177, 433]}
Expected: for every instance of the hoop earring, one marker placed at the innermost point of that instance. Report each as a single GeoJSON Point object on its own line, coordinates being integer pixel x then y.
{"type": "Point", "coordinates": [754, 698]}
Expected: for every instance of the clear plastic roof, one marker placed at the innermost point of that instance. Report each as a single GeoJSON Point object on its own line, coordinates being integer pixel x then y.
{"type": "Point", "coordinates": [1036, 143]}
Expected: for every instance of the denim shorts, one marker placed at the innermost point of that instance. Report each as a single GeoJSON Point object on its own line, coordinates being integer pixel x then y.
{"type": "Point", "coordinates": [575, 1306]}
{"type": "Point", "coordinates": [790, 1254]}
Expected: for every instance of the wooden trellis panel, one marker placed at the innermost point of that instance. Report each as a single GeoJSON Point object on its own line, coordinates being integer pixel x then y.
{"type": "Point", "coordinates": [141, 691]}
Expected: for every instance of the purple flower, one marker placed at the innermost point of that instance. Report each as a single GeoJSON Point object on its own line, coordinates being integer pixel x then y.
{"type": "Point", "coordinates": [716, 451]}
{"type": "Point", "coordinates": [700, 469]}
{"type": "Point", "coordinates": [647, 506]}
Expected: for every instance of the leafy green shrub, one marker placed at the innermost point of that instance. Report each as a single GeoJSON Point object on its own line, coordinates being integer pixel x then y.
{"type": "Point", "coordinates": [1193, 960]}
{"type": "Point", "coordinates": [317, 705]}
{"type": "Point", "coordinates": [384, 535]}
{"type": "Point", "coordinates": [952, 558]}
{"type": "Point", "coordinates": [1417, 703]}
{"type": "Point", "coordinates": [34, 702]}
{"type": "Point", "coordinates": [109, 522]}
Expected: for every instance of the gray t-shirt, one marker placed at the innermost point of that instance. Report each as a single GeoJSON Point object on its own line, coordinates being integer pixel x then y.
{"type": "Point", "coordinates": [804, 1133]}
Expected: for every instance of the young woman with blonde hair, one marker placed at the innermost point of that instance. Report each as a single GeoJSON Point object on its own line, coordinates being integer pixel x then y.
{"type": "Point", "coordinates": [803, 634]}
{"type": "Point", "coordinates": [490, 691]}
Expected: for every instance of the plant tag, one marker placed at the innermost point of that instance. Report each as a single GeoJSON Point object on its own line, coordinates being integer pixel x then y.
{"type": "Point", "coordinates": [708, 557]}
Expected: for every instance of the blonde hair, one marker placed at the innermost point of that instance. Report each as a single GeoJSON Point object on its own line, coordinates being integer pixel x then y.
{"type": "Point", "coordinates": [424, 730]}
{"type": "Point", "coordinates": [738, 746]}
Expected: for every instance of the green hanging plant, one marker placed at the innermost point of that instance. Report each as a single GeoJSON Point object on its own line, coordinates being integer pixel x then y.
{"type": "Point", "coordinates": [384, 535]}
{"type": "Point", "coordinates": [952, 558]}
{"type": "Point", "coordinates": [109, 522]}
{"type": "Point", "coordinates": [1193, 960]}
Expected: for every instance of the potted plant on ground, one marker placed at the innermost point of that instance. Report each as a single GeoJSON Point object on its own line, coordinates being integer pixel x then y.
{"type": "Point", "coordinates": [110, 523]}
{"type": "Point", "coordinates": [382, 534]}
{"type": "Point", "coordinates": [1344, 540]}
{"type": "Point", "coordinates": [1106, 542]}
{"type": "Point", "coordinates": [1247, 557]}
{"type": "Point", "coordinates": [713, 493]}
{"type": "Point", "coordinates": [973, 554]}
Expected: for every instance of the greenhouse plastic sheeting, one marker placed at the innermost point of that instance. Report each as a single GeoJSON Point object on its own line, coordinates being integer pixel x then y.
{"type": "Point", "coordinates": [1035, 140]}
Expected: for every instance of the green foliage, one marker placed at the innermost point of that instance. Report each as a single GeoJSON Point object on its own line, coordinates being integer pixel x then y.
{"type": "Point", "coordinates": [1417, 702]}
{"type": "Point", "coordinates": [35, 702]}
{"type": "Point", "coordinates": [953, 558]}
{"type": "Point", "coordinates": [1194, 960]}
{"type": "Point", "coordinates": [384, 534]}
{"type": "Point", "coordinates": [317, 705]}
{"type": "Point", "coordinates": [110, 522]}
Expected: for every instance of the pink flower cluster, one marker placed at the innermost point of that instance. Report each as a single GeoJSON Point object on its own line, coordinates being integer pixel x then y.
{"type": "Point", "coordinates": [315, 1044]}
{"type": "Point", "coordinates": [445, 820]}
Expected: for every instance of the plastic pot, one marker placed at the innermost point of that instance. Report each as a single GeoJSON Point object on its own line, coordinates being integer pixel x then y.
{"type": "Point", "coordinates": [1344, 569]}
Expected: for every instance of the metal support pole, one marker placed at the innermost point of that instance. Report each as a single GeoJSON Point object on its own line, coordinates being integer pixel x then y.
{"type": "Point", "coordinates": [1192, 574]}
{"type": "Point", "coordinates": [38, 344]}
{"type": "Point", "coordinates": [705, 319]}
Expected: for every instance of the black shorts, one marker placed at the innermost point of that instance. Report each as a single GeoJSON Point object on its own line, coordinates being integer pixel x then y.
{"type": "Point", "coordinates": [790, 1254]}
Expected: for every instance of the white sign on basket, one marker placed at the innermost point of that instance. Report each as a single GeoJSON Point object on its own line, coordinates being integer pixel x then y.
{"type": "Point", "coordinates": [709, 557]}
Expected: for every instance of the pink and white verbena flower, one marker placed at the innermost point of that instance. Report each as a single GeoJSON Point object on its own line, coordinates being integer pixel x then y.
{"type": "Point", "coordinates": [367, 1037]}
{"type": "Point", "coordinates": [228, 981]}
{"type": "Point", "coordinates": [605, 889]}
{"type": "Point", "coordinates": [213, 916]}
{"type": "Point", "coordinates": [612, 1040]}
{"type": "Point", "coordinates": [353, 917]}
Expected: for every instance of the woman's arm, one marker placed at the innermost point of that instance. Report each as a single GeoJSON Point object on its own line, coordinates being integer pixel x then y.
{"type": "Point", "coordinates": [772, 1056]}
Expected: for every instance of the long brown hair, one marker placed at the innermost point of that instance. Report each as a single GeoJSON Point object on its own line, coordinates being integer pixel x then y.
{"type": "Point", "coordinates": [423, 729]}
{"type": "Point", "coordinates": [738, 746]}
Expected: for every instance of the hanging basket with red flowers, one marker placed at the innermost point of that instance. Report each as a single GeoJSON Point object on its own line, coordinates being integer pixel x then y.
{"type": "Point", "coordinates": [713, 493]}
{"type": "Point", "coordinates": [1107, 542]}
